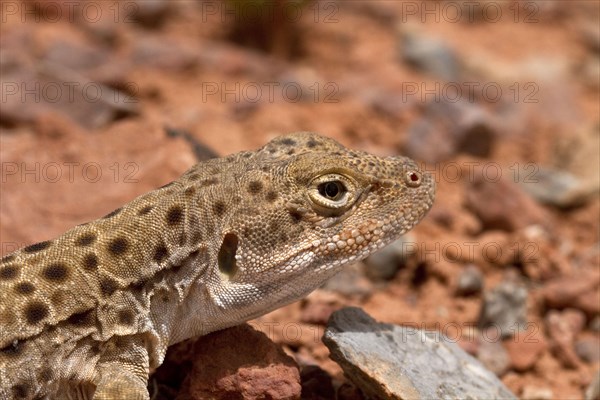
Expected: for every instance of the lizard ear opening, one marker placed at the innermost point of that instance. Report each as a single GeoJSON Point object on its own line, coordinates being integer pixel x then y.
{"type": "Point", "coordinates": [226, 256]}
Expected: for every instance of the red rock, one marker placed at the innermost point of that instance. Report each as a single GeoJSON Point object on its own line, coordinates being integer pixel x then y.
{"type": "Point", "coordinates": [581, 291]}
{"type": "Point", "coordinates": [525, 348]}
{"type": "Point", "coordinates": [240, 363]}
{"type": "Point", "coordinates": [562, 328]}
{"type": "Point", "coordinates": [501, 204]}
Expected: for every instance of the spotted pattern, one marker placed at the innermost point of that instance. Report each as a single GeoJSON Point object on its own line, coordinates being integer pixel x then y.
{"type": "Point", "coordinates": [34, 248]}
{"type": "Point", "coordinates": [271, 196]}
{"type": "Point", "coordinates": [255, 187]}
{"type": "Point", "coordinates": [219, 208]}
{"type": "Point", "coordinates": [189, 192]}
{"type": "Point", "coordinates": [118, 246]}
{"type": "Point", "coordinates": [86, 239]}
{"type": "Point", "coordinates": [56, 272]}
{"type": "Point", "coordinates": [113, 213]}
{"type": "Point", "coordinates": [210, 182]}
{"type": "Point", "coordinates": [20, 391]}
{"type": "Point", "coordinates": [90, 262]}
{"type": "Point", "coordinates": [125, 317]}
{"type": "Point", "coordinates": [9, 272]}
{"type": "Point", "coordinates": [108, 286]}
{"type": "Point", "coordinates": [24, 288]}
{"type": "Point", "coordinates": [145, 210]}
{"type": "Point", "coordinates": [35, 312]}
{"type": "Point", "coordinates": [7, 258]}
{"type": "Point", "coordinates": [288, 142]}
{"type": "Point", "coordinates": [174, 216]}
{"type": "Point", "coordinates": [160, 253]}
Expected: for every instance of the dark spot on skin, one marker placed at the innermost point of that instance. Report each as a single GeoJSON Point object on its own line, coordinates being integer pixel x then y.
{"type": "Point", "coordinates": [189, 192]}
{"type": "Point", "coordinates": [86, 239]}
{"type": "Point", "coordinates": [210, 182]}
{"type": "Point", "coordinates": [90, 262]}
{"type": "Point", "coordinates": [312, 143]}
{"type": "Point", "coordinates": [113, 213]}
{"type": "Point", "coordinates": [125, 317]}
{"type": "Point", "coordinates": [37, 247]}
{"type": "Point", "coordinates": [118, 246]}
{"type": "Point", "coordinates": [219, 208]}
{"type": "Point", "coordinates": [59, 300]}
{"type": "Point", "coordinates": [35, 312]}
{"type": "Point", "coordinates": [264, 168]}
{"type": "Point", "coordinates": [56, 272]}
{"type": "Point", "coordinates": [95, 348]}
{"type": "Point", "coordinates": [196, 236]}
{"type": "Point", "coordinates": [20, 391]}
{"type": "Point", "coordinates": [9, 272]}
{"type": "Point", "coordinates": [165, 298]}
{"type": "Point", "coordinates": [193, 177]}
{"type": "Point", "coordinates": [283, 237]}
{"type": "Point", "coordinates": [24, 288]}
{"type": "Point", "coordinates": [174, 216]}
{"type": "Point", "coordinates": [160, 253]}
{"type": "Point", "coordinates": [85, 318]}
{"type": "Point", "coordinates": [226, 256]}
{"type": "Point", "coordinates": [371, 164]}
{"type": "Point", "coordinates": [108, 286]}
{"type": "Point", "coordinates": [247, 155]}
{"type": "Point", "coordinates": [271, 196]}
{"type": "Point", "coordinates": [7, 258]}
{"type": "Point", "coordinates": [296, 216]}
{"type": "Point", "coordinates": [145, 210]}
{"type": "Point", "coordinates": [288, 142]}
{"type": "Point", "coordinates": [46, 375]}
{"type": "Point", "coordinates": [290, 152]}
{"type": "Point", "coordinates": [255, 187]}
{"type": "Point", "coordinates": [272, 150]}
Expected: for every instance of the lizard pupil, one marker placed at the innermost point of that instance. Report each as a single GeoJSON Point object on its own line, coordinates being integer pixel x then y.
{"type": "Point", "coordinates": [331, 190]}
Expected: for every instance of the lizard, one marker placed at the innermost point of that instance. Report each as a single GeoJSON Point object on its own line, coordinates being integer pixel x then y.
{"type": "Point", "coordinates": [90, 314]}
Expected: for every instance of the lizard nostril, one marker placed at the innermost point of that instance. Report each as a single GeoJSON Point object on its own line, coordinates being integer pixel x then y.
{"type": "Point", "coordinates": [413, 179]}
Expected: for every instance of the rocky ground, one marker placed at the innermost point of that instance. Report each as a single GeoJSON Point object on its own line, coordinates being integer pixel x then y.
{"type": "Point", "coordinates": [103, 101]}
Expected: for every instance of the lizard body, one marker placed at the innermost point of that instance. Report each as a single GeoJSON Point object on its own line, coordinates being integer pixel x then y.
{"type": "Point", "coordinates": [90, 314]}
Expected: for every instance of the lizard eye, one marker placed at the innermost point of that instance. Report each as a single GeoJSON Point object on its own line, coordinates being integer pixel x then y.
{"type": "Point", "coordinates": [332, 190]}
{"type": "Point", "coordinates": [332, 193]}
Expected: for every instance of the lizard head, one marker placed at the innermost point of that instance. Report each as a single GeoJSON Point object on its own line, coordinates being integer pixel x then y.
{"type": "Point", "coordinates": [321, 206]}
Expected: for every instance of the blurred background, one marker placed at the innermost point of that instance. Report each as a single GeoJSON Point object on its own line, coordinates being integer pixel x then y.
{"type": "Point", "coordinates": [102, 101]}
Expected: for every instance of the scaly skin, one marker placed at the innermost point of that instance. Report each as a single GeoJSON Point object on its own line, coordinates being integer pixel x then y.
{"type": "Point", "coordinates": [91, 313]}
